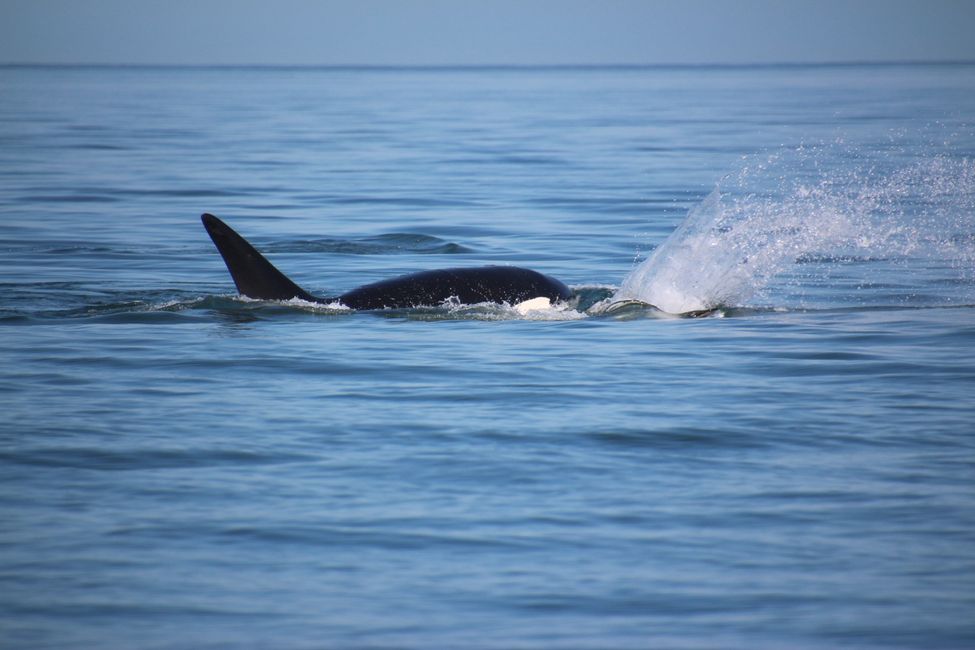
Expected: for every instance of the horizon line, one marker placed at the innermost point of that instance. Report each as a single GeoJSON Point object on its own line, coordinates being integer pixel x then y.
{"type": "Point", "coordinates": [497, 66]}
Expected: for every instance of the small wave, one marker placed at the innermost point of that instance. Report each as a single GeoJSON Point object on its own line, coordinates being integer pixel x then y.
{"type": "Point", "coordinates": [530, 159]}
{"type": "Point", "coordinates": [190, 192]}
{"type": "Point", "coordinates": [58, 302]}
{"type": "Point", "coordinates": [386, 244]}
{"type": "Point", "coordinates": [679, 438]}
{"type": "Point", "coordinates": [68, 198]}
{"type": "Point", "coordinates": [95, 146]}
{"type": "Point", "coordinates": [588, 205]}
{"type": "Point", "coordinates": [398, 201]}
{"type": "Point", "coordinates": [140, 459]}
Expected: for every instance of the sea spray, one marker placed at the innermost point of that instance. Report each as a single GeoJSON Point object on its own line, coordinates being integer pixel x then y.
{"type": "Point", "coordinates": [824, 203]}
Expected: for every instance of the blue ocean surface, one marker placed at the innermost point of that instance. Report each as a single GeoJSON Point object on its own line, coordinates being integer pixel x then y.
{"type": "Point", "coordinates": [181, 467]}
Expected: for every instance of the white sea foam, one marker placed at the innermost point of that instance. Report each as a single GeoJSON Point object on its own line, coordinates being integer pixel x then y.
{"type": "Point", "coordinates": [334, 306]}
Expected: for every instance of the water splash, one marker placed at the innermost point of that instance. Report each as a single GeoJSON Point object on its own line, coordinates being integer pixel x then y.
{"type": "Point", "coordinates": [826, 203]}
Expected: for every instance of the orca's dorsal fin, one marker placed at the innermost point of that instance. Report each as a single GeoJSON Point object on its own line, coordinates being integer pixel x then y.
{"type": "Point", "coordinates": [254, 276]}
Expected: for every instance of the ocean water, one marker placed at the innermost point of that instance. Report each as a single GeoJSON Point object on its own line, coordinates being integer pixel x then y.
{"type": "Point", "coordinates": [183, 468]}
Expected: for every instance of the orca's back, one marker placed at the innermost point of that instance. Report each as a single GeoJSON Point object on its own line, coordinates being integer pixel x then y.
{"type": "Point", "coordinates": [499, 284]}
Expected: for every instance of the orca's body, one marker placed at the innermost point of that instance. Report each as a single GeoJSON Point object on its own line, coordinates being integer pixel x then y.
{"type": "Point", "coordinates": [257, 278]}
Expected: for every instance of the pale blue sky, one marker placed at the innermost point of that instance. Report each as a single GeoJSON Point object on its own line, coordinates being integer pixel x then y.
{"type": "Point", "coordinates": [452, 32]}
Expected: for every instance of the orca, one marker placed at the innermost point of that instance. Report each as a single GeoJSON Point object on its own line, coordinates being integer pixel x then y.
{"type": "Point", "coordinates": [257, 278]}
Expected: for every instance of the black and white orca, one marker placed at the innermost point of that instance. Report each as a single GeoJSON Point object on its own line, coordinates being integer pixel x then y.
{"type": "Point", "coordinates": [257, 278]}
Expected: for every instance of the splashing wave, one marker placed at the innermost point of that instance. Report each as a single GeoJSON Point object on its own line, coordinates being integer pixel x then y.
{"type": "Point", "coordinates": [810, 203]}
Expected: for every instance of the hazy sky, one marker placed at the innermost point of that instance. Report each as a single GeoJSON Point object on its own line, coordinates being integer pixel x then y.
{"type": "Point", "coordinates": [484, 31]}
